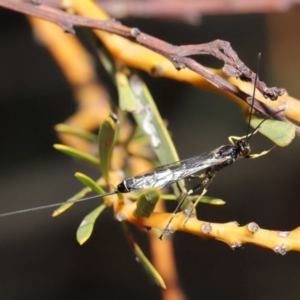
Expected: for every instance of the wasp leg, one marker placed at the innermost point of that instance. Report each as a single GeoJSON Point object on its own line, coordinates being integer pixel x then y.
{"type": "Point", "coordinates": [167, 230]}
{"type": "Point", "coordinates": [259, 154]}
{"type": "Point", "coordinates": [237, 138]}
{"type": "Point", "coordinates": [193, 176]}
{"type": "Point", "coordinates": [181, 189]}
{"type": "Point", "coordinates": [205, 185]}
{"type": "Point", "coordinates": [185, 194]}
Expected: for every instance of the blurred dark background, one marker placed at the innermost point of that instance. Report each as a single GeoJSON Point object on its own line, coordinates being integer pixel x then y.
{"type": "Point", "coordinates": [39, 255]}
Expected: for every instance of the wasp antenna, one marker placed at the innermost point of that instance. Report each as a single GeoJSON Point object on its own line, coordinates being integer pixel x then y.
{"type": "Point", "coordinates": [253, 96]}
{"type": "Point", "coordinates": [16, 212]}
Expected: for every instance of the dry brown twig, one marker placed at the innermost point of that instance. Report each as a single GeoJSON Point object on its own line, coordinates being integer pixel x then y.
{"type": "Point", "coordinates": [178, 55]}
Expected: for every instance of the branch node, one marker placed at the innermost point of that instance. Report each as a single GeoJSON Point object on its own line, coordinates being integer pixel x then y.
{"type": "Point", "coordinates": [135, 32]}
{"type": "Point", "coordinates": [67, 27]}
{"type": "Point", "coordinates": [253, 227]}
{"type": "Point", "coordinates": [284, 233]}
{"type": "Point", "coordinates": [178, 63]}
{"type": "Point", "coordinates": [273, 93]}
{"type": "Point", "coordinates": [236, 246]}
{"type": "Point", "coordinates": [282, 249]}
{"type": "Point", "coordinates": [206, 228]}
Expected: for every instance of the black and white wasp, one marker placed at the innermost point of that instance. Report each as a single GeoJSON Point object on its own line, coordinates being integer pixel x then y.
{"type": "Point", "coordinates": [204, 166]}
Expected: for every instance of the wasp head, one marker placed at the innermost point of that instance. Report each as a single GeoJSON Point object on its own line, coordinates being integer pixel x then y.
{"type": "Point", "coordinates": [243, 147]}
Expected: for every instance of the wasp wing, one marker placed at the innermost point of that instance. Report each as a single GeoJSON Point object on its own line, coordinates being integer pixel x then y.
{"type": "Point", "coordinates": [163, 176]}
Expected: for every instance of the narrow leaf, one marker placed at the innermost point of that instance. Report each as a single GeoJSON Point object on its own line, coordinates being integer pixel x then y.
{"type": "Point", "coordinates": [150, 121]}
{"type": "Point", "coordinates": [146, 203]}
{"type": "Point", "coordinates": [107, 138]}
{"type": "Point", "coordinates": [77, 154]}
{"type": "Point", "coordinates": [66, 206]}
{"type": "Point", "coordinates": [127, 99]}
{"type": "Point", "coordinates": [89, 182]}
{"type": "Point", "coordinates": [107, 61]}
{"type": "Point", "coordinates": [281, 133]}
{"type": "Point", "coordinates": [208, 200]}
{"type": "Point", "coordinates": [86, 227]}
{"type": "Point", "coordinates": [117, 127]}
{"type": "Point", "coordinates": [142, 259]}
{"type": "Point", "coordinates": [63, 128]}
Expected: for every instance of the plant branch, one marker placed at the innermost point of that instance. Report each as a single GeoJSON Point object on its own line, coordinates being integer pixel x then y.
{"type": "Point", "coordinates": [178, 55]}
{"type": "Point", "coordinates": [230, 233]}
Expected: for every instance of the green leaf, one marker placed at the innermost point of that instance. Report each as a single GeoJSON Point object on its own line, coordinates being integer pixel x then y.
{"type": "Point", "coordinates": [204, 199]}
{"type": "Point", "coordinates": [86, 227]}
{"type": "Point", "coordinates": [138, 135]}
{"type": "Point", "coordinates": [142, 259]}
{"type": "Point", "coordinates": [106, 61]}
{"type": "Point", "coordinates": [281, 133]}
{"type": "Point", "coordinates": [107, 138]}
{"type": "Point", "coordinates": [89, 182]}
{"type": "Point", "coordinates": [146, 203]}
{"type": "Point", "coordinates": [117, 127]}
{"type": "Point", "coordinates": [66, 206]}
{"type": "Point", "coordinates": [127, 99]}
{"type": "Point", "coordinates": [63, 128]}
{"type": "Point", "coordinates": [77, 154]}
{"type": "Point", "coordinates": [150, 121]}
{"type": "Point", "coordinates": [207, 200]}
